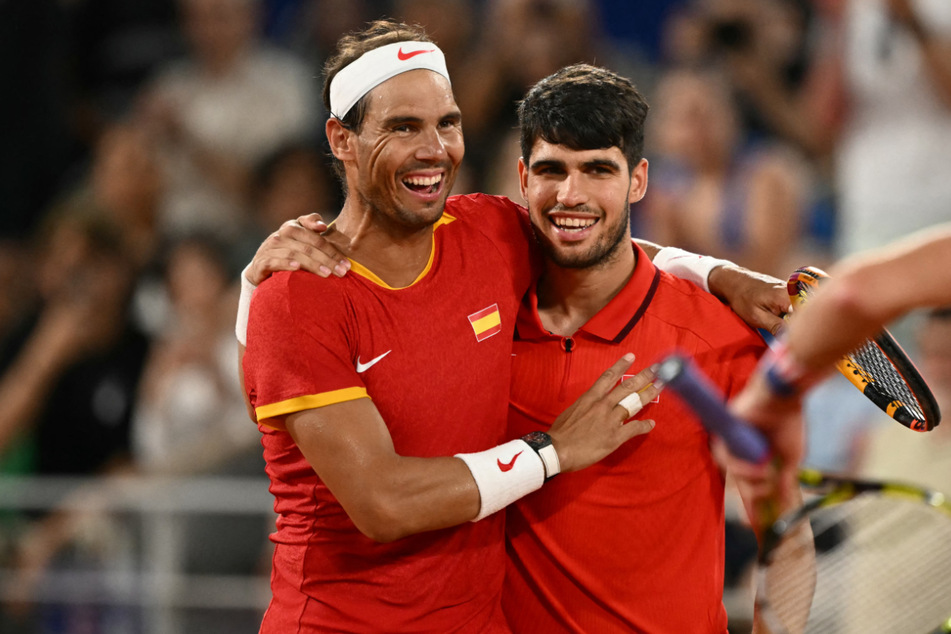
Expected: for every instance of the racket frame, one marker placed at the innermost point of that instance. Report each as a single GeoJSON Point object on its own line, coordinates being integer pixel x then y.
{"type": "Point", "coordinates": [806, 280]}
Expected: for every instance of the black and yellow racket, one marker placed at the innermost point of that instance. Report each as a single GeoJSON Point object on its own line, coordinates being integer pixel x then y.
{"type": "Point", "coordinates": [857, 556]}
{"type": "Point", "coordinates": [880, 369]}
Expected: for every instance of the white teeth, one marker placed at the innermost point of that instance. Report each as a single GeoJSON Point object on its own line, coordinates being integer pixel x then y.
{"type": "Point", "coordinates": [423, 181]}
{"type": "Point", "coordinates": [573, 223]}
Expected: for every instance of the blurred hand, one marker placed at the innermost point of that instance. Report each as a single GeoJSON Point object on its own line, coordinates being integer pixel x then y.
{"type": "Point", "coordinates": [780, 421]}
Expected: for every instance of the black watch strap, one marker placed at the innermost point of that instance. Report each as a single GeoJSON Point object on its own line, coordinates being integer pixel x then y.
{"type": "Point", "coordinates": [540, 442]}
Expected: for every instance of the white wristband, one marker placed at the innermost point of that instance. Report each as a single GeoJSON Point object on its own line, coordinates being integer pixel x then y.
{"type": "Point", "coordinates": [688, 266]}
{"type": "Point", "coordinates": [504, 474]}
{"type": "Point", "coordinates": [244, 308]}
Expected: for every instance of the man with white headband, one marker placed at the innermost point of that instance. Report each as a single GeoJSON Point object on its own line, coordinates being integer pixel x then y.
{"type": "Point", "coordinates": [408, 355]}
{"type": "Point", "coordinates": [382, 396]}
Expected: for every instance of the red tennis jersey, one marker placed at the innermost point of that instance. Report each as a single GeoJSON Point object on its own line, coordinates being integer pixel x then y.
{"type": "Point", "coordinates": [435, 358]}
{"type": "Point", "coordinates": [633, 543]}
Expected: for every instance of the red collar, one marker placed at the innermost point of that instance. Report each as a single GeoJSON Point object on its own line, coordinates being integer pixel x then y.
{"type": "Point", "coordinates": [613, 322]}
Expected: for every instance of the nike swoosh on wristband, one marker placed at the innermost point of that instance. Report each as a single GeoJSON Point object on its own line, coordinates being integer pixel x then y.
{"type": "Point", "coordinates": [363, 367]}
{"type": "Point", "coordinates": [507, 466]}
{"type": "Point", "coordinates": [405, 56]}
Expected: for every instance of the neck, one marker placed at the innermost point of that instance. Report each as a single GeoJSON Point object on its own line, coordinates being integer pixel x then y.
{"type": "Point", "coordinates": [394, 253]}
{"type": "Point", "coordinates": [568, 298]}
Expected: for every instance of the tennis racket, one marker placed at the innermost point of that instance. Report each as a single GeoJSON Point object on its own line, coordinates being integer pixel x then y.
{"type": "Point", "coordinates": [880, 369]}
{"type": "Point", "coordinates": [857, 556]}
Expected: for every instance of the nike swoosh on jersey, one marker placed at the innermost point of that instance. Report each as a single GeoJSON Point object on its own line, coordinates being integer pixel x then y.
{"type": "Point", "coordinates": [363, 367]}
{"type": "Point", "coordinates": [507, 466]}
{"type": "Point", "coordinates": [405, 56]}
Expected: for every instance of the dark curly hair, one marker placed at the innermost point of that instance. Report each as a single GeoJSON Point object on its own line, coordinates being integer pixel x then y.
{"type": "Point", "coordinates": [584, 107]}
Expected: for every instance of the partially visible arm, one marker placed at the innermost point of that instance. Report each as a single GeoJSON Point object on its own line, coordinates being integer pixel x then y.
{"type": "Point", "coordinates": [62, 334]}
{"type": "Point", "coordinates": [868, 291]}
{"type": "Point", "coordinates": [865, 292]}
{"type": "Point", "coordinates": [389, 496]}
{"type": "Point", "coordinates": [760, 300]}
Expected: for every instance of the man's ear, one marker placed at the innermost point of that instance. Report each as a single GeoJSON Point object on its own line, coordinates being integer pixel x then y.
{"type": "Point", "coordinates": [522, 177]}
{"type": "Point", "coordinates": [341, 140]}
{"type": "Point", "coordinates": [638, 181]}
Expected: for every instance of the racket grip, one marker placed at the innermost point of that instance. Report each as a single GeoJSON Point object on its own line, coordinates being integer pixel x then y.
{"type": "Point", "coordinates": [696, 390]}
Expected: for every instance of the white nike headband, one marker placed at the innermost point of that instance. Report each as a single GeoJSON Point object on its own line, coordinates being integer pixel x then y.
{"type": "Point", "coordinates": [374, 67]}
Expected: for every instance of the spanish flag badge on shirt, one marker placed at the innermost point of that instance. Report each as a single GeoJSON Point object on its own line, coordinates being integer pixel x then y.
{"type": "Point", "coordinates": [486, 322]}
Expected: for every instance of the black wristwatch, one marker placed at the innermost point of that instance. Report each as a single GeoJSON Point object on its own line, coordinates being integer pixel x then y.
{"type": "Point", "coordinates": [541, 443]}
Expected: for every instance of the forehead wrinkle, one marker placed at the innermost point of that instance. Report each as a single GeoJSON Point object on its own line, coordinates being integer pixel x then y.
{"type": "Point", "coordinates": [416, 88]}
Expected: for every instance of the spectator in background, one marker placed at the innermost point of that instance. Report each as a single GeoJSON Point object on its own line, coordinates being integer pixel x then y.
{"type": "Point", "coordinates": [713, 192]}
{"type": "Point", "coordinates": [450, 22]}
{"type": "Point", "coordinates": [762, 47]}
{"type": "Point", "coordinates": [521, 42]}
{"type": "Point", "coordinates": [73, 380]}
{"type": "Point", "coordinates": [69, 387]}
{"type": "Point", "coordinates": [895, 139]}
{"type": "Point", "coordinates": [190, 396]}
{"type": "Point", "coordinates": [293, 181]}
{"type": "Point", "coordinates": [773, 55]}
{"type": "Point", "coordinates": [123, 189]}
{"type": "Point", "coordinates": [219, 112]}
{"type": "Point", "coordinates": [310, 29]}
{"type": "Point", "coordinates": [190, 419]}
{"type": "Point", "coordinates": [126, 186]}
{"type": "Point", "coordinates": [865, 89]}
{"type": "Point", "coordinates": [91, 250]}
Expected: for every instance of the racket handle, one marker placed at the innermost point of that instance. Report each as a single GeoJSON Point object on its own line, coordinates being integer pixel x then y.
{"type": "Point", "coordinates": [696, 390]}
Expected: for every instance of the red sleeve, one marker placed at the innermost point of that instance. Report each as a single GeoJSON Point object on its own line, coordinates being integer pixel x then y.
{"type": "Point", "coordinates": [733, 357]}
{"type": "Point", "coordinates": [298, 354]}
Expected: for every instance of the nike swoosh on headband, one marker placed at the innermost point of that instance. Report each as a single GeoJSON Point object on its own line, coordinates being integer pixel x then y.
{"type": "Point", "coordinates": [405, 56]}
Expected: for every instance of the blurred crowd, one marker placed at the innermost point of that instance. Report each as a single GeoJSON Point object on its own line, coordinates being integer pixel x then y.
{"type": "Point", "coordinates": [150, 146]}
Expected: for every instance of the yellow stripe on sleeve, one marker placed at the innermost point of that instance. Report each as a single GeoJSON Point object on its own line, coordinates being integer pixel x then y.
{"type": "Point", "coordinates": [310, 401]}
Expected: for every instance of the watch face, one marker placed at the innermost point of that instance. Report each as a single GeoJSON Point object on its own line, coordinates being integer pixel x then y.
{"type": "Point", "coordinates": [537, 439]}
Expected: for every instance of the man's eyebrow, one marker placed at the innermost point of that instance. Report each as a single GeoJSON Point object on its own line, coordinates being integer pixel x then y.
{"type": "Point", "coordinates": [393, 121]}
{"type": "Point", "coordinates": [603, 163]}
{"type": "Point", "coordinates": [609, 163]}
{"type": "Point", "coordinates": [453, 115]}
{"type": "Point", "coordinates": [542, 163]}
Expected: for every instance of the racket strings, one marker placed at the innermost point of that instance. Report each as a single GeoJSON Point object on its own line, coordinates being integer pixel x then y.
{"type": "Point", "coordinates": [888, 378]}
{"type": "Point", "coordinates": [875, 367]}
{"type": "Point", "coordinates": [881, 565]}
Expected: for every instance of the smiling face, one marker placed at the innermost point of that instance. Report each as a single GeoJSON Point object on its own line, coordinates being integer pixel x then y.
{"type": "Point", "coordinates": [578, 202]}
{"type": "Point", "coordinates": [402, 163]}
